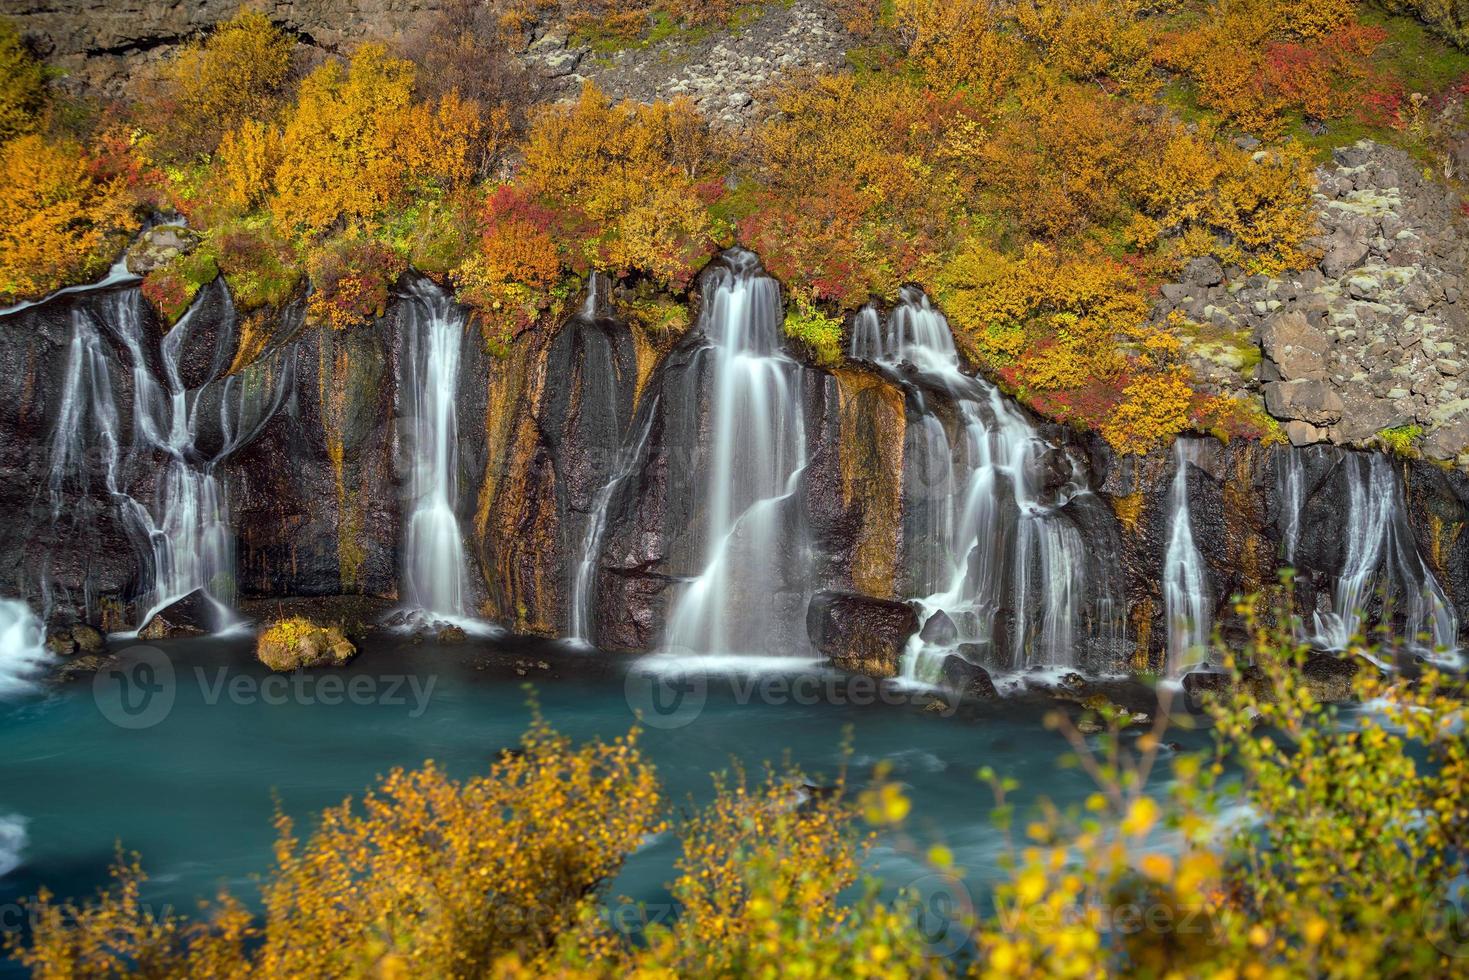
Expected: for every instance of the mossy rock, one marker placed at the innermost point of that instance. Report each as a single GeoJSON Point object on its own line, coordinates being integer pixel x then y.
{"type": "Point", "coordinates": [296, 643]}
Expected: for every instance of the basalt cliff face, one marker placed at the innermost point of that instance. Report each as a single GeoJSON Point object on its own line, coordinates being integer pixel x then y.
{"type": "Point", "coordinates": [254, 456]}
{"type": "Point", "coordinates": [100, 45]}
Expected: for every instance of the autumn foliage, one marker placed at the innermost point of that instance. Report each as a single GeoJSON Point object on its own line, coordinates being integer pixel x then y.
{"type": "Point", "coordinates": [1039, 167]}
{"type": "Point", "coordinates": [61, 220]}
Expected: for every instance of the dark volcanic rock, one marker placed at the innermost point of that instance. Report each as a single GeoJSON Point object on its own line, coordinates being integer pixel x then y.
{"type": "Point", "coordinates": [193, 615]}
{"type": "Point", "coordinates": [939, 630]}
{"type": "Point", "coordinates": [970, 682]}
{"type": "Point", "coordinates": [859, 633]}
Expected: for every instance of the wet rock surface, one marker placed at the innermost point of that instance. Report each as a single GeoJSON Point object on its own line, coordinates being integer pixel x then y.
{"type": "Point", "coordinates": [860, 633]}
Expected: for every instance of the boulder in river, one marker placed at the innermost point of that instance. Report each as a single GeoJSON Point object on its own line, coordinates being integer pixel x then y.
{"type": "Point", "coordinates": [80, 638]}
{"type": "Point", "coordinates": [970, 682]}
{"type": "Point", "coordinates": [859, 633]}
{"type": "Point", "coordinates": [1329, 678]}
{"type": "Point", "coordinates": [295, 643]}
{"type": "Point", "coordinates": [940, 630]}
{"type": "Point", "coordinates": [193, 615]}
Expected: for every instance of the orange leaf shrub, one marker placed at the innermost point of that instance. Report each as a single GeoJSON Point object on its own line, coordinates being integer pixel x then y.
{"type": "Point", "coordinates": [854, 194]}
{"type": "Point", "coordinates": [61, 221]}
{"type": "Point", "coordinates": [245, 165]}
{"type": "Point", "coordinates": [237, 73]}
{"type": "Point", "coordinates": [1154, 409]}
{"type": "Point", "coordinates": [351, 279]}
{"type": "Point", "coordinates": [1230, 57]}
{"type": "Point", "coordinates": [1087, 39]}
{"type": "Point", "coordinates": [635, 181]}
{"type": "Point", "coordinates": [517, 261]}
{"type": "Point", "coordinates": [959, 43]}
{"type": "Point", "coordinates": [1063, 160]}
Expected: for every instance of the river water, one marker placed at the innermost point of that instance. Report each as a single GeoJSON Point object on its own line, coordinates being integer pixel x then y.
{"type": "Point", "coordinates": [181, 753]}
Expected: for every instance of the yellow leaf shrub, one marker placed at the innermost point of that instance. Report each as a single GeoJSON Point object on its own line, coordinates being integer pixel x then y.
{"type": "Point", "coordinates": [1061, 162]}
{"type": "Point", "coordinates": [958, 43]}
{"type": "Point", "coordinates": [633, 173]}
{"type": "Point", "coordinates": [1004, 305]}
{"type": "Point", "coordinates": [1154, 409]}
{"type": "Point", "coordinates": [246, 162]}
{"type": "Point", "coordinates": [357, 145]}
{"type": "Point", "coordinates": [1087, 39]}
{"type": "Point", "coordinates": [426, 876]}
{"type": "Point", "coordinates": [237, 72]}
{"type": "Point", "coordinates": [22, 85]}
{"type": "Point", "coordinates": [59, 224]}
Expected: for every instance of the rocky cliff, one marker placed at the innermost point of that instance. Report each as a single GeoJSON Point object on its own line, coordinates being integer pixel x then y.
{"type": "Point", "coordinates": [580, 454]}
{"type": "Point", "coordinates": [100, 44]}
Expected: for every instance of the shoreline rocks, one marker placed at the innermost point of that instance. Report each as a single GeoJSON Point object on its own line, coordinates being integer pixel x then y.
{"type": "Point", "coordinates": [297, 643]}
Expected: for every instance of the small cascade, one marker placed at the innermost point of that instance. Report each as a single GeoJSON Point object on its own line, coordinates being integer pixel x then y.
{"type": "Point", "coordinates": [1186, 597]}
{"type": "Point", "coordinates": [22, 652]}
{"type": "Point", "coordinates": [983, 528]}
{"type": "Point", "coordinates": [186, 523]}
{"type": "Point", "coordinates": [433, 564]}
{"type": "Point", "coordinates": [584, 583]}
{"type": "Point", "coordinates": [591, 304]}
{"type": "Point", "coordinates": [1291, 486]}
{"type": "Point", "coordinates": [757, 452]}
{"type": "Point", "coordinates": [1382, 554]}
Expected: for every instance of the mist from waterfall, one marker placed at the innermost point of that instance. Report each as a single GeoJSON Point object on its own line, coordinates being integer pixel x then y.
{"type": "Point", "coordinates": [986, 540]}
{"type": "Point", "coordinates": [433, 561]}
{"type": "Point", "coordinates": [23, 653]}
{"type": "Point", "coordinates": [185, 525]}
{"type": "Point", "coordinates": [752, 548]}
{"type": "Point", "coordinates": [1187, 601]}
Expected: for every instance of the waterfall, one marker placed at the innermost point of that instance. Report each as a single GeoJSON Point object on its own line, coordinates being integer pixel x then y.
{"type": "Point", "coordinates": [983, 528]}
{"type": "Point", "coordinates": [757, 451]}
{"type": "Point", "coordinates": [22, 650]}
{"type": "Point", "coordinates": [1186, 596]}
{"type": "Point", "coordinates": [1291, 486]}
{"type": "Point", "coordinates": [584, 592]}
{"type": "Point", "coordinates": [1381, 552]}
{"type": "Point", "coordinates": [434, 552]}
{"type": "Point", "coordinates": [186, 523]}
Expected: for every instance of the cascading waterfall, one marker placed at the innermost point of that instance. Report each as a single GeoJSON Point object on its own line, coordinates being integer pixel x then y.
{"type": "Point", "coordinates": [1186, 596]}
{"type": "Point", "coordinates": [983, 535]}
{"type": "Point", "coordinates": [22, 650]}
{"type": "Point", "coordinates": [756, 455]}
{"type": "Point", "coordinates": [434, 552]}
{"type": "Point", "coordinates": [1381, 552]}
{"type": "Point", "coordinates": [1291, 485]}
{"type": "Point", "coordinates": [584, 580]}
{"type": "Point", "coordinates": [583, 590]}
{"type": "Point", "coordinates": [186, 528]}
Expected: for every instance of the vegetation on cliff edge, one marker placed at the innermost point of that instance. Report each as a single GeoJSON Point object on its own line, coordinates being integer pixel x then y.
{"type": "Point", "coordinates": [1039, 168]}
